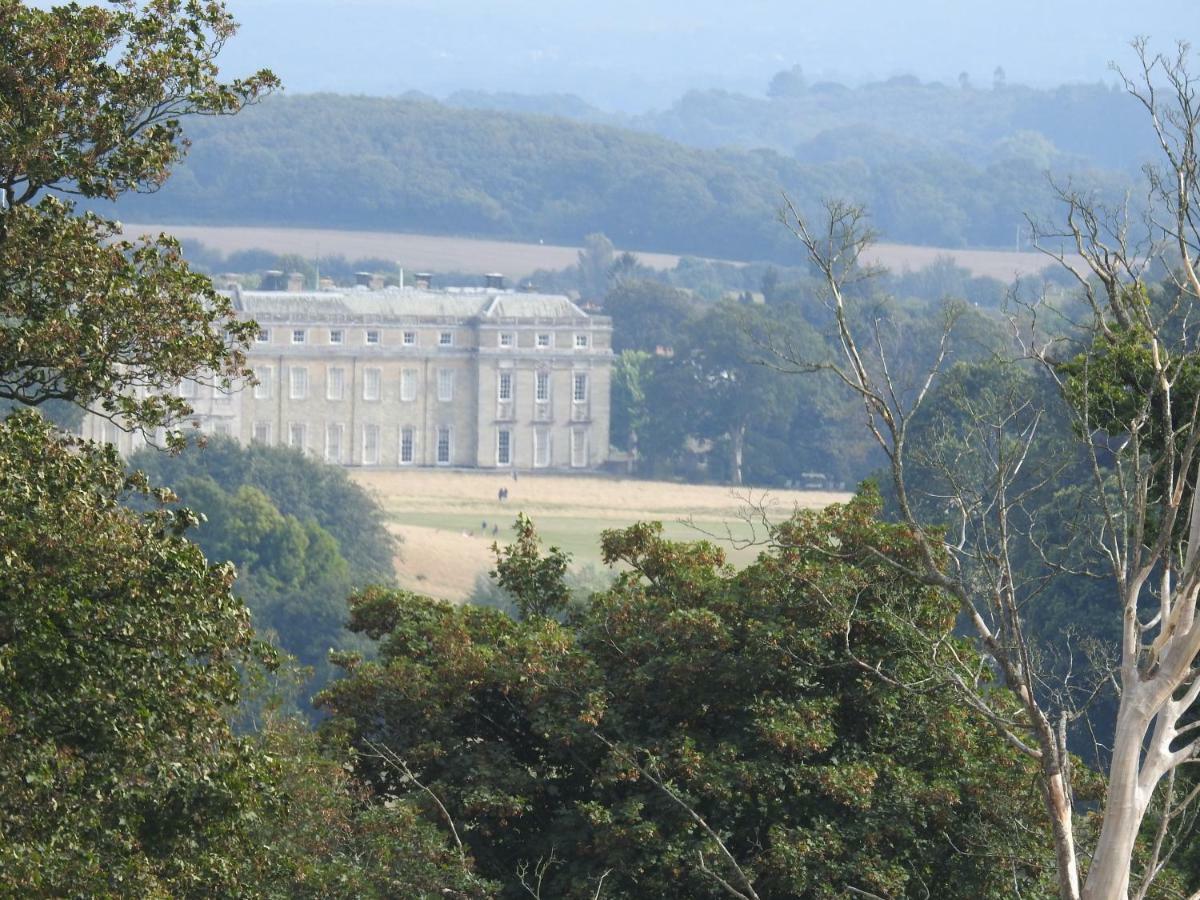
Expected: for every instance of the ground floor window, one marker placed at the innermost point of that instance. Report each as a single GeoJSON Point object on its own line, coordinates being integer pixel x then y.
{"type": "Point", "coordinates": [579, 447]}
{"type": "Point", "coordinates": [504, 447]}
{"type": "Point", "coordinates": [443, 446]}
{"type": "Point", "coordinates": [407, 441]}
{"type": "Point", "coordinates": [262, 432]}
{"type": "Point", "coordinates": [541, 447]}
{"type": "Point", "coordinates": [370, 446]}
{"type": "Point", "coordinates": [297, 435]}
{"type": "Point", "coordinates": [333, 442]}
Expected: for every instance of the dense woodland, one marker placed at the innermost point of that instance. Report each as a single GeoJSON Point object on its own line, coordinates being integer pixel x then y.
{"type": "Point", "coordinates": [978, 680]}
{"type": "Point", "coordinates": [413, 164]}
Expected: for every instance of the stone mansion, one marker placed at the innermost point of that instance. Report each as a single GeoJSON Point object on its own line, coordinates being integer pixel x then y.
{"type": "Point", "coordinates": [476, 378]}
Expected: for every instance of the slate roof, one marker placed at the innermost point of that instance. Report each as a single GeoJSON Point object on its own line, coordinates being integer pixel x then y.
{"type": "Point", "coordinates": [406, 304]}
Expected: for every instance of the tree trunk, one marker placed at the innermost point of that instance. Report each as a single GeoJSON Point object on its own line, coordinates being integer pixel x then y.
{"type": "Point", "coordinates": [1124, 805]}
{"type": "Point", "coordinates": [737, 443]}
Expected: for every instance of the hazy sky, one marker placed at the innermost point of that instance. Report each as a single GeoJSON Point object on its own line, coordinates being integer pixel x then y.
{"type": "Point", "coordinates": [633, 55]}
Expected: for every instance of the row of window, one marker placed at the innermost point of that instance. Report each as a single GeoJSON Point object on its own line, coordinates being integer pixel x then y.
{"type": "Point", "coordinates": [373, 336]}
{"type": "Point", "coordinates": [335, 444]}
{"type": "Point", "coordinates": [372, 381]}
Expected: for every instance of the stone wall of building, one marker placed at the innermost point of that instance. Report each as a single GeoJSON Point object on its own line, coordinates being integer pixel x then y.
{"type": "Point", "coordinates": [479, 379]}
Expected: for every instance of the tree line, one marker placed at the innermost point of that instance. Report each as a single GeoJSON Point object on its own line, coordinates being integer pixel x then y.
{"type": "Point", "coordinates": [416, 165]}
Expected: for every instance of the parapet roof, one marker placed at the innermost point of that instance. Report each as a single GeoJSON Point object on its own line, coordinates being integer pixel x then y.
{"type": "Point", "coordinates": [406, 303]}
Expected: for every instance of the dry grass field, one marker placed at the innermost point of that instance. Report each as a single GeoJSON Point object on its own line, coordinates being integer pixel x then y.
{"type": "Point", "coordinates": [447, 254]}
{"type": "Point", "coordinates": [440, 515]}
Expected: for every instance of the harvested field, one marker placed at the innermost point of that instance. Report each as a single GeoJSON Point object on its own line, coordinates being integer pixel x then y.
{"type": "Point", "coordinates": [440, 515]}
{"type": "Point", "coordinates": [516, 260]}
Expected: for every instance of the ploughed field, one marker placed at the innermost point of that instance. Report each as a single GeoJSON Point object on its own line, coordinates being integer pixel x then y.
{"type": "Point", "coordinates": [516, 260]}
{"type": "Point", "coordinates": [441, 514]}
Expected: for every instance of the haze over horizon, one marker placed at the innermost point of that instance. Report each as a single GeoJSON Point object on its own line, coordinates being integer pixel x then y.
{"type": "Point", "coordinates": [630, 57]}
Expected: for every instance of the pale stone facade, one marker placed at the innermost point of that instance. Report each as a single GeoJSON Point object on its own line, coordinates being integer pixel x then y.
{"type": "Point", "coordinates": [473, 378]}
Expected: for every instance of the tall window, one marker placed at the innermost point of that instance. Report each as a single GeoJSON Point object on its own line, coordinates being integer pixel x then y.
{"type": "Point", "coordinates": [542, 387]}
{"type": "Point", "coordinates": [371, 379]}
{"type": "Point", "coordinates": [504, 386]}
{"type": "Point", "coordinates": [333, 442]}
{"type": "Point", "coordinates": [262, 432]}
{"type": "Point", "coordinates": [541, 447]}
{"type": "Point", "coordinates": [443, 446]}
{"type": "Point", "coordinates": [504, 447]}
{"type": "Point", "coordinates": [299, 382]}
{"type": "Point", "coordinates": [370, 446]}
{"type": "Point", "coordinates": [407, 440]}
{"type": "Point", "coordinates": [335, 384]}
{"type": "Point", "coordinates": [408, 385]}
{"type": "Point", "coordinates": [262, 390]}
{"type": "Point", "coordinates": [298, 435]}
{"type": "Point", "coordinates": [578, 447]}
{"type": "Point", "coordinates": [579, 387]}
{"type": "Point", "coordinates": [445, 379]}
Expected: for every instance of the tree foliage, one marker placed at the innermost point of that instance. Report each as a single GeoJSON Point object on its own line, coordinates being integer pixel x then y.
{"type": "Point", "coordinates": [692, 704]}
{"type": "Point", "coordinates": [91, 100]}
{"type": "Point", "coordinates": [120, 650]}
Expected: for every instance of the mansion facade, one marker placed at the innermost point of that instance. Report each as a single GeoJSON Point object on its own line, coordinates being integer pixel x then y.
{"type": "Point", "coordinates": [474, 378]}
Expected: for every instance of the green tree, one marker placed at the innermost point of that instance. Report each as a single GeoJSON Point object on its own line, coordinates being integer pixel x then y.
{"type": "Point", "coordinates": [91, 101]}
{"type": "Point", "coordinates": [695, 724]}
{"type": "Point", "coordinates": [120, 651]}
{"type": "Point", "coordinates": [630, 372]}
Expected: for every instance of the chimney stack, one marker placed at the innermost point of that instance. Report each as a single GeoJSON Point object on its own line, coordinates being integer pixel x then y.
{"type": "Point", "coordinates": [423, 279]}
{"type": "Point", "coordinates": [493, 281]}
{"type": "Point", "coordinates": [295, 282]}
{"type": "Point", "coordinates": [273, 280]}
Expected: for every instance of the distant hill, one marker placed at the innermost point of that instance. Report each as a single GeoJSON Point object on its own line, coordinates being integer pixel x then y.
{"type": "Point", "coordinates": [411, 164]}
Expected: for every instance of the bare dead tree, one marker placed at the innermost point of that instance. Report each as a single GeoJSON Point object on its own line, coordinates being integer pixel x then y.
{"type": "Point", "coordinates": [1132, 380]}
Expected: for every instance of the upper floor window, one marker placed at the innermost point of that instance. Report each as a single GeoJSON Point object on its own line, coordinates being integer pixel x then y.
{"type": "Point", "coordinates": [371, 379]}
{"type": "Point", "coordinates": [581, 342]}
{"type": "Point", "coordinates": [372, 336]}
{"type": "Point", "coordinates": [579, 387]}
{"type": "Point", "coordinates": [504, 386]}
{"type": "Point", "coordinates": [506, 339]}
{"type": "Point", "coordinates": [543, 340]}
{"type": "Point", "coordinates": [335, 384]}
{"type": "Point", "coordinates": [263, 336]}
{"type": "Point", "coordinates": [408, 385]}
{"type": "Point", "coordinates": [446, 339]}
{"type": "Point", "coordinates": [336, 336]}
{"type": "Point", "coordinates": [299, 383]}
{"type": "Point", "coordinates": [262, 387]}
{"type": "Point", "coordinates": [410, 339]}
{"type": "Point", "coordinates": [299, 335]}
{"type": "Point", "coordinates": [542, 387]}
